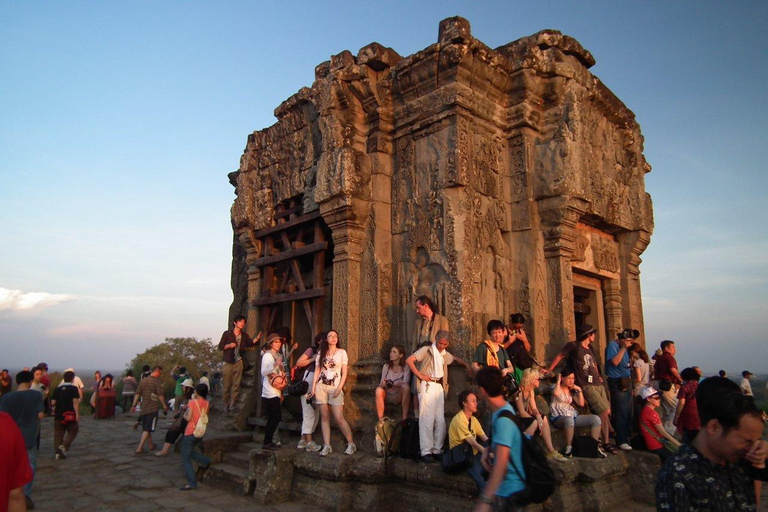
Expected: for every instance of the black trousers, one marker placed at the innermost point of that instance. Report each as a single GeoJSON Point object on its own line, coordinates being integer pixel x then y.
{"type": "Point", "coordinates": [272, 408]}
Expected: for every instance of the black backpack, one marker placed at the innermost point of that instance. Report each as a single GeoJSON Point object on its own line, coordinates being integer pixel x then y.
{"type": "Point", "coordinates": [585, 447]}
{"type": "Point", "coordinates": [406, 433]}
{"type": "Point", "coordinates": [539, 477]}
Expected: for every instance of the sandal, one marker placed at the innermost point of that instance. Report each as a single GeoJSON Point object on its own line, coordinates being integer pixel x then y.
{"type": "Point", "coordinates": [610, 449]}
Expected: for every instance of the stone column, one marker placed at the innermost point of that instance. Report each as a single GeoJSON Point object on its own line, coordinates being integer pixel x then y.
{"type": "Point", "coordinates": [559, 216]}
{"type": "Point", "coordinates": [347, 253]}
{"type": "Point", "coordinates": [612, 304]}
{"type": "Point", "coordinates": [631, 246]}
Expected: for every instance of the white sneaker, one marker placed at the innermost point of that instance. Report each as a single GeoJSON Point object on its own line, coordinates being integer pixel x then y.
{"type": "Point", "coordinates": [313, 447]}
{"type": "Point", "coordinates": [351, 448]}
{"type": "Point", "coordinates": [302, 445]}
{"type": "Point", "coordinates": [326, 450]}
{"type": "Point", "coordinates": [625, 447]}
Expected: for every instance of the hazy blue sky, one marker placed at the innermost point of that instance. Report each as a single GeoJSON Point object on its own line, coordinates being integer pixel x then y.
{"type": "Point", "coordinates": [119, 122]}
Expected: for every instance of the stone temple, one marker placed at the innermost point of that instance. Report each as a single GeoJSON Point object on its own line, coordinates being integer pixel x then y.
{"type": "Point", "coordinates": [495, 181]}
{"type": "Point", "coordinates": [492, 180]}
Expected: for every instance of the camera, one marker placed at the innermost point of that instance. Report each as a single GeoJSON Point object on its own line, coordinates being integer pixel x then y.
{"type": "Point", "coordinates": [310, 400]}
{"type": "Point", "coordinates": [389, 384]}
{"type": "Point", "coordinates": [629, 333]}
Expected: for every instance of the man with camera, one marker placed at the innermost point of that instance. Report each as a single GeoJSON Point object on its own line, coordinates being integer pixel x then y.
{"type": "Point", "coordinates": [581, 358]}
{"type": "Point", "coordinates": [618, 370]}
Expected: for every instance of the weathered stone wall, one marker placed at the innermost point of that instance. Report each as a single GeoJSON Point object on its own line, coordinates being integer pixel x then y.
{"type": "Point", "coordinates": [483, 178]}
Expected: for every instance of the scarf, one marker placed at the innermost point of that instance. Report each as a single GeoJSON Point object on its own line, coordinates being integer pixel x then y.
{"type": "Point", "coordinates": [491, 358]}
{"type": "Point", "coordinates": [437, 363]}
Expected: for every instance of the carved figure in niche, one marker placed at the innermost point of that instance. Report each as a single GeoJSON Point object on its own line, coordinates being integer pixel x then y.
{"type": "Point", "coordinates": [429, 279]}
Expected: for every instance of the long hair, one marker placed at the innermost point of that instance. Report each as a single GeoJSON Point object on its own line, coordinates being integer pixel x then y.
{"type": "Point", "coordinates": [324, 344]}
{"type": "Point", "coordinates": [402, 356]}
{"type": "Point", "coordinates": [642, 354]}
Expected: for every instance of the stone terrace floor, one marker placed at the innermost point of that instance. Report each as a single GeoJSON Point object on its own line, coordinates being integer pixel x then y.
{"type": "Point", "coordinates": [101, 473]}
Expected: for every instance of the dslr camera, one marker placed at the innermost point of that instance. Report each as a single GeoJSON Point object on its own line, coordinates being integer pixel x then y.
{"type": "Point", "coordinates": [628, 334]}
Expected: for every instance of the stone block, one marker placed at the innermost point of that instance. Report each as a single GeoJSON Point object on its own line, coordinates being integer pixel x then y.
{"type": "Point", "coordinates": [377, 57]}
{"type": "Point", "coordinates": [454, 30]}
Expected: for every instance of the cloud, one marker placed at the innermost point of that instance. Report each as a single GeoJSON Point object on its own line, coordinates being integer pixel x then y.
{"type": "Point", "coordinates": [20, 301]}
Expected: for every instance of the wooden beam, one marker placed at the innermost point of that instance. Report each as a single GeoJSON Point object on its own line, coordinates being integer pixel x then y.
{"type": "Point", "coordinates": [288, 224]}
{"type": "Point", "coordinates": [292, 253]}
{"type": "Point", "coordinates": [289, 211]}
{"type": "Point", "coordinates": [288, 297]}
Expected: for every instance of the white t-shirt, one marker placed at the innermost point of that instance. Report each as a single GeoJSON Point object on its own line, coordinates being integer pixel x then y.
{"type": "Point", "coordinates": [267, 365]}
{"type": "Point", "coordinates": [644, 375]}
{"type": "Point", "coordinates": [330, 367]}
{"type": "Point", "coordinates": [746, 387]}
{"type": "Point", "coordinates": [75, 382]}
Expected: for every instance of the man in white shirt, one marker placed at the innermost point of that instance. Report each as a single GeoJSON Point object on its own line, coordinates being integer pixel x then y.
{"type": "Point", "coordinates": [432, 384]}
{"type": "Point", "coordinates": [745, 386]}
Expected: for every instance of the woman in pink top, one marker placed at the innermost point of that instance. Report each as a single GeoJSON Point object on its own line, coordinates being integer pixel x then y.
{"type": "Point", "coordinates": [196, 407]}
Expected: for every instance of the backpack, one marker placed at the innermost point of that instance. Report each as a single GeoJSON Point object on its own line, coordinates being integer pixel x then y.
{"type": "Point", "coordinates": [405, 440]}
{"type": "Point", "coordinates": [202, 422]}
{"type": "Point", "coordinates": [585, 446]}
{"type": "Point", "coordinates": [539, 478]}
{"type": "Point", "coordinates": [384, 430]}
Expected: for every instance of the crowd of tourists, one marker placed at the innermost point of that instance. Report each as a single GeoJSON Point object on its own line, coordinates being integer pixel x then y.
{"type": "Point", "coordinates": [707, 433]}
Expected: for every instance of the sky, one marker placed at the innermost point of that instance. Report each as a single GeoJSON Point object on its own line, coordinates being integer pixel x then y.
{"type": "Point", "coordinates": [119, 122]}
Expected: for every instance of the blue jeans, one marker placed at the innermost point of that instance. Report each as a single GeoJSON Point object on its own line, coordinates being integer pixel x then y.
{"type": "Point", "coordinates": [188, 454]}
{"type": "Point", "coordinates": [32, 455]}
{"type": "Point", "coordinates": [621, 410]}
{"type": "Point", "coordinates": [476, 472]}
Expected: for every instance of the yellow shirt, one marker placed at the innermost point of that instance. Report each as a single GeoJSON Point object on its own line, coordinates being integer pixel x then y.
{"type": "Point", "coordinates": [460, 430]}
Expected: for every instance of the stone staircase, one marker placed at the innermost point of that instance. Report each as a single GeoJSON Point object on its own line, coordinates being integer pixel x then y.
{"type": "Point", "coordinates": [364, 481]}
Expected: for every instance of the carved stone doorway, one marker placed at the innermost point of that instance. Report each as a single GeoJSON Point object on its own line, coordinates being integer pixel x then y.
{"type": "Point", "coordinates": [588, 308]}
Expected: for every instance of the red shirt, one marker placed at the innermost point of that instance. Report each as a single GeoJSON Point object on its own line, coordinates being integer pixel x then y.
{"type": "Point", "coordinates": [15, 470]}
{"type": "Point", "coordinates": [648, 420]}
{"type": "Point", "coordinates": [662, 368]}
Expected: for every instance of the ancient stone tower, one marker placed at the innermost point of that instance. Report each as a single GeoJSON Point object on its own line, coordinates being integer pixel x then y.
{"type": "Point", "coordinates": [493, 180]}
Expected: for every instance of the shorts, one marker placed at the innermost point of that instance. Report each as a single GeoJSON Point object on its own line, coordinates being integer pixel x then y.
{"type": "Point", "coordinates": [324, 395]}
{"type": "Point", "coordinates": [148, 421]}
{"type": "Point", "coordinates": [597, 398]}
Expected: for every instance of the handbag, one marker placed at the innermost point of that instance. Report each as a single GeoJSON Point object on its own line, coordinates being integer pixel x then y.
{"type": "Point", "coordinates": [68, 417]}
{"type": "Point", "coordinates": [666, 443]}
{"type": "Point", "coordinates": [296, 389]}
{"type": "Point", "coordinates": [458, 458]}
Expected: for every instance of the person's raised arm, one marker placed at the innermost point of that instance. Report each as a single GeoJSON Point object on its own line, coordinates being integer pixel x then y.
{"type": "Point", "coordinates": [559, 357]}
{"type": "Point", "coordinates": [579, 397]}
{"type": "Point", "coordinates": [524, 338]}
{"type": "Point", "coordinates": [304, 360]}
